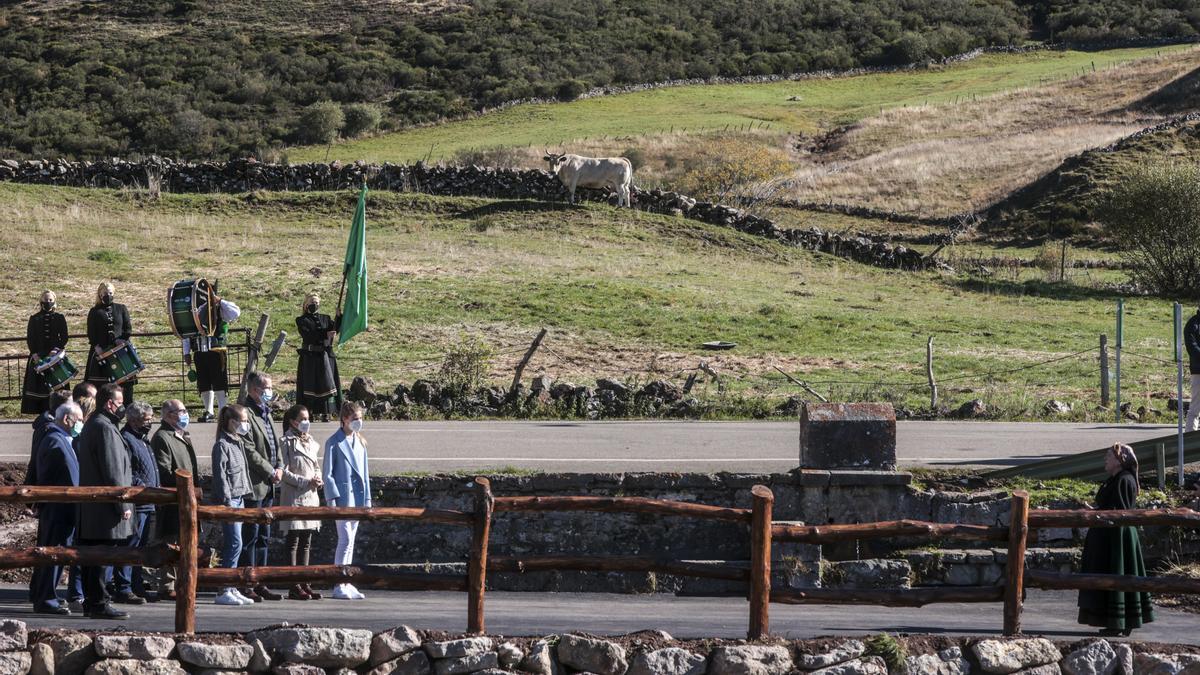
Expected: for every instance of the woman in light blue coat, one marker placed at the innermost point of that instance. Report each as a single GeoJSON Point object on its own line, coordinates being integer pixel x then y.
{"type": "Point", "coordinates": [347, 482]}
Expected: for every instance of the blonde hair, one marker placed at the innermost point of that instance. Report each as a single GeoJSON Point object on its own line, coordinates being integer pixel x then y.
{"type": "Point", "coordinates": [87, 406]}
{"type": "Point", "coordinates": [104, 286]}
{"type": "Point", "coordinates": [308, 299]}
{"type": "Point", "coordinates": [350, 408]}
{"type": "Point", "coordinates": [50, 294]}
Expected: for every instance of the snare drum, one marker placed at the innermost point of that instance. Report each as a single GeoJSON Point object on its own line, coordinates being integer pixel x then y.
{"type": "Point", "coordinates": [191, 305]}
{"type": "Point", "coordinates": [56, 370]}
{"type": "Point", "coordinates": [121, 363]}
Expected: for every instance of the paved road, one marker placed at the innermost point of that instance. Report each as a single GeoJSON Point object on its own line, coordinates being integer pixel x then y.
{"type": "Point", "coordinates": [676, 446]}
{"type": "Point", "coordinates": [1050, 613]}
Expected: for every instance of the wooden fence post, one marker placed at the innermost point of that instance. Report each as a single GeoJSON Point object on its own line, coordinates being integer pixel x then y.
{"type": "Point", "coordinates": [760, 562]}
{"type": "Point", "coordinates": [933, 393]}
{"type": "Point", "coordinates": [477, 566]}
{"type": "Point", "coordinates": [1014, 572]}
{"type": "Point", "coordinates": [187, 570]}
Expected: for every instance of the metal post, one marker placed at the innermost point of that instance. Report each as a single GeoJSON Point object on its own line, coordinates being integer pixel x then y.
{"type": "Point", "coordinates": [1120, 343]}
{"type": "Point", "coordinates": [1179, 384]}
{"type": "Point", "coordinates": [1104, 395]}
{"type": "Point", "coordinates": [933, 392]}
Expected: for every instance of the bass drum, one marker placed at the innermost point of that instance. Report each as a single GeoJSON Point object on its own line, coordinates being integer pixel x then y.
{"type": "Point", "coordinates": [191, 305]}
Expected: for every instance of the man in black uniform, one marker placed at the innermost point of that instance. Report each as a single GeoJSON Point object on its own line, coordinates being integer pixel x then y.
{"type": "Point", "coordinates": [210, 356]}
{"type": "Point", "coordinates": [108, 325]}
{"type": "Point", "coordinates": [46, 334]}
{"type": "Point", "coordinates": [318, 384]}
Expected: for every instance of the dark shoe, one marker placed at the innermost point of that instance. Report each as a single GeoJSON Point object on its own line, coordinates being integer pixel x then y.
{"type": "Point", "coordinates": [128, 599]}
{"type": "Point", "coordinates": [207, 417]}
{"type": "Point", "coordinates": [1111, 632]}
{"type": "Point", "coordinates": [266, 593]}
{"type": "Point", "coordinates": [312, 595]}
{"type": "Point", "coordinates": [53, 609]}
{"type": "Point", "coordinates": [107, 612]}
{"type": "Point", "coordinates": [250, 594]}
{"type": "Point", "coordinates": [297, 593]}
{"type": "Point", "coordinates": [167, 595]}
{"type": "Point", "coordinates": [150, 596]}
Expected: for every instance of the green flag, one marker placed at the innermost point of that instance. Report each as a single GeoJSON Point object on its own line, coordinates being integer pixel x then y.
{"type": "Point", "coordinates": [354, 275]}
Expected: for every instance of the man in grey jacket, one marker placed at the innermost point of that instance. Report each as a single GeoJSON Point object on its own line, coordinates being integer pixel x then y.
{"type": "Point", "coordinates": [103, 462]}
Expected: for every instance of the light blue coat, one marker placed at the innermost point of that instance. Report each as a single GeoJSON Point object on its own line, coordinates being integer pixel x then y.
{"type": "Point", "coordinates": [347, 478]}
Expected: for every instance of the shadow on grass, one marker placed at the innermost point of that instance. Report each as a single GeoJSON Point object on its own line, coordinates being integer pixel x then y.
{"type": "Point", "coordinates": [1035, 289]}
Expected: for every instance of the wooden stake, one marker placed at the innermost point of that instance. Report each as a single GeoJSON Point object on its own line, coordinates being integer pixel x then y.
{"type": "Point", "coordinates": [537, 342]}
{"type": "Point", "coordinates": [477, 566]}
{"type": "Point", "coordinates": [188, 568]}
{"type": "Point", "coordinates": [1014, 587]}
{"type": "Point", "coordinates": [933, 392]}
{"type": "Point", "coordinates": [760, 563]}
{"type": "Point", "coordinates": [803, 385]}
{"type": "Point", "coordinates": [252, 353]}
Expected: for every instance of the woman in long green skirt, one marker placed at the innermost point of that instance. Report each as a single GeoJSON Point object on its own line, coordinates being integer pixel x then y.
{"type": "Point", "coordinates": [1115, 550]}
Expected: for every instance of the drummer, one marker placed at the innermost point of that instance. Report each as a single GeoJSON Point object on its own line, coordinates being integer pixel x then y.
{"type": "Point", "coordinates": [318, 386]}
{"type": "Point", "coordinates": [211, 360]}
{"type": "Point", "coordinates": [108, 326]}
{"type": "Point", "coordinates": [46, 335]}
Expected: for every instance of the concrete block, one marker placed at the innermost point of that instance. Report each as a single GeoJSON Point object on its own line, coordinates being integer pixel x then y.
{"type": "Point", "coordinates": [848, 436]}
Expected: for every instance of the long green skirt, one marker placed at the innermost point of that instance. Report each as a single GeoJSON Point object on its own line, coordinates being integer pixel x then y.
{"type": "Point", "coordinates": [1114, 550]}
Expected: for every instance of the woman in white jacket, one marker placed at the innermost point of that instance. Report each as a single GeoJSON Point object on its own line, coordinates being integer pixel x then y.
{"type": "Point", "coordinates": [300, 487]}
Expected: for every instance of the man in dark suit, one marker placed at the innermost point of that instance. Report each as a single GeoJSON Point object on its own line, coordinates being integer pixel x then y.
{"type": "Point", "coordinates": [104, 462]}
{"type": "Point", "coordinates": [129, 581]}
{"type": "Point", "coordinates": [262, 461]}
{"type": "Point", "coordinates": [56, 465]}
{"type": "Point", "coordinates": [41, 425]}
{"type": "Point", "coordinates": [173, 451]}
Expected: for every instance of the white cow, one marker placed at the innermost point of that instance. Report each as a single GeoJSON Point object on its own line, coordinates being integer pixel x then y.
{"type": "Point", "coordinates": [593, 172]}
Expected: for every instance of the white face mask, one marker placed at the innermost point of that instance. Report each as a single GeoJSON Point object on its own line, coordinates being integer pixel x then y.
{"type": "Point", "coordinates": [302, 426]}
{"type": "Point", "coordinates": [267, 395]}
{"type": "Point", "coordinates": [356, 426]}
{"type": "Point", "coordinates": [243, 428]}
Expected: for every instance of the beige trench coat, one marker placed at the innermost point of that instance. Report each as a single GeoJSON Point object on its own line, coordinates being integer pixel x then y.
{"type": "Point", "coordinates": [301, 462]}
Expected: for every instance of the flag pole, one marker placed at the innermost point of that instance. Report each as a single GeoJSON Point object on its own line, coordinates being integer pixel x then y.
{"type": "Point", "coordinates": [345, 272]}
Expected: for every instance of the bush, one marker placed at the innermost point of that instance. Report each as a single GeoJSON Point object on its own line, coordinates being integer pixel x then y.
{"type": "Point", "coordinates": [361, 118]}
{"type": "Point", "coordinates": [320, 123]}
{"type": "Point", "coordinates": [569, 90]}
{"type": "Point", "coordinates": [1154, 215]}
{"type": "Point", "coordinates": [466, 365]}
{"type": "Point", "coordinates": [635, 156]}
{"type": "Point", "coordinates": [504, 158]}
{"type": "Point", "coordinates": [732, 170]}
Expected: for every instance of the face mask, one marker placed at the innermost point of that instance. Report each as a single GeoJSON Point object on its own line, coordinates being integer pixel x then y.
{"type": "Point", "coordinates": [303, 426]}
{"type": "Point", "coordinates": [267, 395]}
{"type": "Point", "coordinates": [144, 430]}
{"type": "Point", "coordinates": [119, 412]}
{"type": "Point", "coordinates": [243, 428]}
{"type": "Point", "coordinates": [183, 421]}
{"type": "Point", "coordinates": [311, 309]}
{"type": "Point", "coordinates": [76, 428]}
{"type": "Point", "coordinates": [106, 299]}
{"type": "Point", "coordinates": [47, 306]}
{"type": "Point", "coordinates": [356, 426]}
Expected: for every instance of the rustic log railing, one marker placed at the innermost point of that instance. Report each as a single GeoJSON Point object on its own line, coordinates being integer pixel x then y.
{"type": "Point", "coordinates": [757, 577]}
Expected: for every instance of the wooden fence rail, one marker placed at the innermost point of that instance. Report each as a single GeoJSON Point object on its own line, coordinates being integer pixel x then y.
{"type": "Point", "coordinates": [762, 531]}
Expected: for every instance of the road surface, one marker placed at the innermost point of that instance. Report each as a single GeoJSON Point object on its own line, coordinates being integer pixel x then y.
{"type": "Point", "coordinates": [748, 447]}
{"type": "Point", "coordinates": [1049, 613]}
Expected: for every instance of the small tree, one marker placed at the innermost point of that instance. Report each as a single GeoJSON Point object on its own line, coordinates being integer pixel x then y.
{"type": "Point", "coordinates": [361, 118]}
{"type": "Point", "coordinates": [466, 365]}
{"type": "Point", "coordinates": [320, 123]}
{"type": "Point", "coordinates": [1154, 215]}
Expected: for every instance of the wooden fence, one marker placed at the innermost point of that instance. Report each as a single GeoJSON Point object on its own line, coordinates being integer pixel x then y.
{"type": "Point", "coordinates": [762, 530]}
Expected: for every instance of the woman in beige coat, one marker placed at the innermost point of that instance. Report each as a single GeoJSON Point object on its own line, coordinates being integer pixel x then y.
{"type": "Point", "coordinates": [301, 486]}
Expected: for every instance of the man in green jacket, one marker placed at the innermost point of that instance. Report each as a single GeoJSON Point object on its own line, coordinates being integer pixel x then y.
{"type": "Point", "coordinates": [173, 451]}
{"type": "Point", "coordinates": [265, 467]}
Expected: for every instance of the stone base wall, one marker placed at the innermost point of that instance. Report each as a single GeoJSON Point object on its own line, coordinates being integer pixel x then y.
{"type": "Point", "coordinates": [404, 651]}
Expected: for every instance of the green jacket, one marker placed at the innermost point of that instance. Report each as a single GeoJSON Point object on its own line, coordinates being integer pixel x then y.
{"type": "Point", "coordinates": [259, 460]}
{"type": "Point", "coordinates": [170, 453]}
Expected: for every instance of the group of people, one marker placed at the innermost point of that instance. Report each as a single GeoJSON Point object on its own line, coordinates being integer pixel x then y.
{"type": "Point", "coordinates": [318, 383]}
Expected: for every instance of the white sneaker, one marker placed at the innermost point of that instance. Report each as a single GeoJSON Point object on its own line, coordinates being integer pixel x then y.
{"type": "Point", "coordinates": [239, 596]}
{"type": "Point", "coordinates": [355, 594]}
{"type": "Point", "coordinates": [229, 597]}
{"type": "Point", "coordinates": [346, 592]}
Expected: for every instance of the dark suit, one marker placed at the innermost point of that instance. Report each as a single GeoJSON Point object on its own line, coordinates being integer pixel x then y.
{"type": "Point", "coordinates": [56, 465]}
{"type": "Point", "coordinates": [172, 451]}
{"type": "Point", "coordinates": [106, 324]}
{"type": "Point", "coordinates": [103, 461]}
{"type": "Point", "coordinates": [127, 578]}
{"type": "Point", "coordinates": [40, 425]}
{"type": "Point", "coordinates": [262, 458]}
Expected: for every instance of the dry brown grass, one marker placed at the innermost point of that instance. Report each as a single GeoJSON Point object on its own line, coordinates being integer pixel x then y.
{"type": "Point", "coordinates": [944, 159]}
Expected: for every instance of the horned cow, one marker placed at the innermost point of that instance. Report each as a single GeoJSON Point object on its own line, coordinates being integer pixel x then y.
{"type": "Point", "coordinates": [593, 172]}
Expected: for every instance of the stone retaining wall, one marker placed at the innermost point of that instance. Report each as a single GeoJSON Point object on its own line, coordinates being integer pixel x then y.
{"type": "Point", "coordinates": [302, 650]}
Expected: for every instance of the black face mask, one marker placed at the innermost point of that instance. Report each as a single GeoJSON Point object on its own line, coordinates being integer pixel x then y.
{"type": "Point", "coordinates": [119, 412]}
{"type": "Point", "coordinates": [106, 299]}
{"type": "Point", "coordinates": [144, 431]}
{"type": "Point", "coordinates": [47, 306]}
{"type": "Point", "coordinates": [311, 309]}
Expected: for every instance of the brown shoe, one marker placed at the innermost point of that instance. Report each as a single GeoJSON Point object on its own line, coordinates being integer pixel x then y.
{"type": "Point", "coordinates": [249, 594]}
{"type": "Point", "coordinates": [167, 595]}
{"type": "Point", "coordinates": [266, 593]}
{"type": "Point", "coordinates": [298, 593]}
{"type": "Point", "coordinates": [312, 594]}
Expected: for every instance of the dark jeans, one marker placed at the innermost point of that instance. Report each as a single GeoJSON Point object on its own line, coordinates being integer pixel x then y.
{"type": "Point", "coordinates": [256, 537]}
{"type": "Point", "coordinates": [129, 579]}
{"type": "Point", "coordinates": [52, 531]}
{"type": "Point", "coordinates": [95, 596]}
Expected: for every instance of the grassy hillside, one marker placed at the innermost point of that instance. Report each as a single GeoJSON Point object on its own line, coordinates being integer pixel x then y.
{"type": "Point", "coordinates": [802, 107]}
{"type": "Point", "coordinates": [223, 78]}
{"type": "Point", "coordinates": [624, 294]}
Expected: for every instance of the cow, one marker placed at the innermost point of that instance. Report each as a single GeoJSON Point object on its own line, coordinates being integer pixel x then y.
{"type": "Point", "coordinates": [593, 172]}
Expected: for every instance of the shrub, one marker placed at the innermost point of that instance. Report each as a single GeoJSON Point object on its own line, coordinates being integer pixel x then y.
{"type": "Point", "coordinates": [635, 156]}
{"type": "Point", "coordinates": [319, 123]}
{"type": "Point", "coordinates": [732, 170]}
{"type": "Point", "coordinates": [1154, 215]}
{"type": "Point", "coordinates": [889, 649]}
{"type": "Point", "coordinates": [569, 90]}
{"type": "Point", "coordinates": [505, 158]}
{"type": "Point", "coordinates": [465, 366]}
{"type": "Point", "coordinates": [361, 118]}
